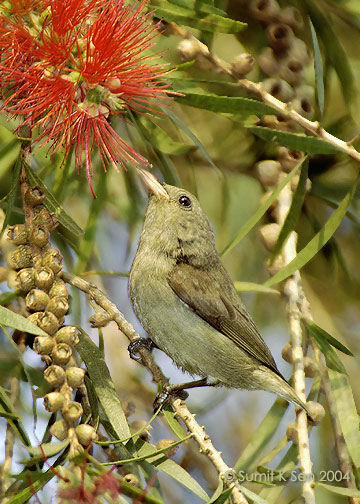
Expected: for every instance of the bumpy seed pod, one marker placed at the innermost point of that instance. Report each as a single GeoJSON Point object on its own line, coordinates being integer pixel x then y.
{"type": "Point", "coordinates": [44, 278]}
{"type": "Point", "coordinates": [43, 345]}
{"type": "Point", "coordinates": [100, 319]}
{"type": "Point", "coordinates": [292, 17]}
{"type": "Point", "coordinates": [75, 376]}
{"type": "Point", "coordinates": [278, 88]}
{"type": "Point", "coordinates": [42, 217]}
{"type": "Point", "coordinates": [3, 273]}
{"type": "Point", "coordinates": [264, 10]}
{"type": "Point", "coordinates": [310, 367]}
{"type": "Point", "coordinates": [34, 196]}
{"type": "Point", "coordinates": [20, 258]}
{"type": "Point", "coordinates": [72, 412]}
{"type": "Point", "coordinates": [316, 411]}
{"type": "Point", "coordinates": [61, 353]}
{"type": "Point", "coordinates": [54, 375]}
{"type": "Point", "coordinates": [58, 288]}
{"type": "Point", "coordinates": [268, 62]}
{"type": "Point", "coordinates": [300, 51]}
{"type": "Point", "coordinates": [292, 433]}
{"type": "Point", "coordinates": [269, 234]}
{"type": "Point", "coordinates": [53, 259]}
{"type": "Point", "coordinates": [303, 107]}
{"type": "Point", "coordinates": [39, 236]}
{"type": "Point", "coordinates": [292, 70]}
{"type": "Point", "coordinates": [132, 479]}
{"type": "Point", "coordinates": [25, 279]}
{"type": "Point", "coordinates": [36, 300]}
{"type": "Point", "coordinates": [286, 353]}
{"type": "Point", "coordinates": [54, 401]}
{"type": "Point", "coordinates": [86, 434]}
{"type": "Point", "coordinates": [48, 322]}
{"type": "Point", "coordinates": [17, 234]}
{"type": "Point", "coordinates": [58, 305]}
{"type": "Point", "coordinates": [268, 172]}
{"type": "Point", "coordinates": [289, 158]}
{"type": "Point", "coordinates": [242, 64]}
{"type": "Point", "coordinates": [276, 122]}
{"type": "Point", "coordinates": [59, 429]}
{"type": "Point", "coordinates": [279, 36]}
{"type": "Point", "coordinates": [68, 335]}
{"type": "Point", "coordinates": [164, 443]}
{"type": "Point", "coordinates": [188, 49]}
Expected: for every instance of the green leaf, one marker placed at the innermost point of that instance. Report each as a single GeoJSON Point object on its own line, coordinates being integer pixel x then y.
{"type": "Point", "coordinates": [221, 498]}
{"type": "Point", "coordinates": [43, 452]}
{"type": "Point", "coordinates": [11, 195]}
{"type": "Point", "coordinates": [254, 287]}
{"type": "Point", "coordinates": [7, 407]}
{"type": "Point", "coordinates": [161, 140]}
{"type": "Point", "coordinates": [262, 436]}
{"type": "Point", "coordinates": [261, 210]}
{"type": "Point", "coordinates": [295, 141]}
{"type": "Point", "coordinates": [173, 422]}
{"type": "Point", "coordinates": [103, 385]}
{"type": "Point", "coordinates": [7, 297]}
{"type": "Point", "coordinates": [10, 319]}
{"type": "Point", "coordinates": [253, 496]}
{"type": "Point", "coordinates": [294, 212]}
{"type": "Point", "coordinates": [67, 226]}
{"type": "Point", "coordinates": [224, 104]}
{"type": "Point", "coordinates": [322, 334]}
{"type": "Point", "coordinates": [183, 16]}
{"type": "Point", "coordinates": [319, 74]}
{"type": "Point", "coordinates": [347, 414]}
{"type": "Point", "coordinates": [346, 492]}
{"type": "Point", "coordinates": [316, 244]}
{"type": "Point", "coordinates": [331, 357]}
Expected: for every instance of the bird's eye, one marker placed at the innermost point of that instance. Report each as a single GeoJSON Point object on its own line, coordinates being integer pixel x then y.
{"type": "Point", "coordinates": [185, 201]}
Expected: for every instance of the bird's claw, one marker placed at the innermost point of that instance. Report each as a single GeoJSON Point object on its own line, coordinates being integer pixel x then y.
{"type": "Point", "coordinates": [163, 396]}
{"type": "Point", "coordinates": [136, 344]}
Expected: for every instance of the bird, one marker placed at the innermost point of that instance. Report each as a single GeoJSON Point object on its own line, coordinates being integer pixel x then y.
{"type": "Point", "coordinates": [186, 301]}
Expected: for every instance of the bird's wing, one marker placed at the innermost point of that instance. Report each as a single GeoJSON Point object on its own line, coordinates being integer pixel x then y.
{"type": "Point", "coordinates": [210, 294]}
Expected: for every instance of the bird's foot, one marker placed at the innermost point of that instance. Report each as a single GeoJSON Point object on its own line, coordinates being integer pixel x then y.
{"type": "Point", "coordinates": [168, 390]}
{"type": "Point", "coordinates": [138, 343]}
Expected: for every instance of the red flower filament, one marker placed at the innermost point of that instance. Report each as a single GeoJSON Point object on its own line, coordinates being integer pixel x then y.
{"type": "Point", "coordinates": [67, 66]}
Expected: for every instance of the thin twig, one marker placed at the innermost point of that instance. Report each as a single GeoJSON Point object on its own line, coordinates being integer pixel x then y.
{"type": "Point", "coordinates": [180, 408]}
{"type": "Point", "coordinates": [312, 127]}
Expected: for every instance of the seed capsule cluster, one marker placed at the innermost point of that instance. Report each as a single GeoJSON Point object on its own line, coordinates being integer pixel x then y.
{"type": "Point", "coordinates": [35, 269]}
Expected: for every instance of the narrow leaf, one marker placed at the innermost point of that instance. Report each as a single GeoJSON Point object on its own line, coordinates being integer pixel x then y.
{"type": "Point", "coordinates": [261, 210]}
{"type": "Point", "coordinates": [254, 287]}
{"type": "Point", "coordinates": [346, 492]}
{"type": "Point", "coordinates": [295, 141]}
{"type": "Point", "coordinates": [11, 196]}
{"type": "Point", "coordinates": [221, 498]}
{"type": "Point", "coordinates": [7, 407]}
{"type": "Point", "coordinates": [173, 422]}
{"type": "Point", "coordinates": [319, 74]}
{"type": "Point", "coordinates": [322, 334]}
{"type": "Point", "coordinates": [316, 244]}
{"type": "Point", "coordinates": [331, 357]}
{"type": "Point", "coordinates": [253, 496]}
{"type": "Point", "coordinates": [10, 319]}
{"type": "Point", "coordinates": [294, 212]}
{"type": "Point", "coordinates": [161, 140]}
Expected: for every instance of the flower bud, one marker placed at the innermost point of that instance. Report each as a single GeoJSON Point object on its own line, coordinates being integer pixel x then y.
{"type": "Point", "coordinates": [20, 258]}
{"type": "Point", "coordinates": [286, 353]}
{"type": "Point", "coordinates": [292, 433]}
{"type": "Point", "coordinates": [36, 300]}
{"type": "Point", "coordinates": [267, 61]}
{"type": "Point", "coordinates": [59, 430]}
{"type": "Point", "coordinates": [61, 353]}
{"type": "Point", "coordinates": [289, 158]}
{"type": "Point", "coordinates": [58, 305]}
{"type": "Point", "coordinates": [54, 375]}
{"type": "Point", "coordinates": [58, 288]}
{"type": "Point", "coordinates": [75, 376]}
{"type": "Point", "coordinates": [100, 319]}
{"type": "Point", "coordinates": [268, 172]}
{"type": "Point", "coordinates": [34, 195]}
{"type": "Point", "coordinates": [132, 479]}
{"type": "Point", "coordinates": [279, 36]}
{"type": "Point", "coordinates": [48, 322]}
{"type": "Point", "coordinates": [25, 279]}
{"type": "Point", "coordinates": [292, 16]}
{"type": "Point", "coordinates": [54, 401]}
{"type": "Point", "coordinates": [188, 49]}
{"type": "Point", "coordinates": [44, 278]}
{"type": "Point", "coordinates": [68, 335]}
{"type": "Point", "coordinates": [310, 367]}
{"type": "Point", "coordinates": [264, 10]}
{"type": "Point", "coordinates": [164, 443]}
{"type": "Point", "coordinates": [292, 70]}
{"type": "Point", "coordinates": [72, 412]}
{"type": "Point", "coordinates": [86, 434]}
{"type": "Point", "coordinates": [39, 236]}
{"type": "Point", "coordinates": [43, 345]}
{"type": "Point", "coordinates": [278, 88]}
{"type": "Point", "coordinates": [242, 64]}
{"type": "Point", "coordinates": [316, 411]}
{"type": "Point", "coordinates": [17, 234]}
{"type": "Point", "coordinates": [52, 259]}
{"type": "Point", "coordinates": [269, 234]}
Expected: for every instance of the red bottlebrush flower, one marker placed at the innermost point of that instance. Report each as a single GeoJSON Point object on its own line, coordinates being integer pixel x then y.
{"type": "Point", "coordinates": [67, 66]}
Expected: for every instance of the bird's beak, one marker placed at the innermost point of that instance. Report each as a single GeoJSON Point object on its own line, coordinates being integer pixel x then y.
{"type": "Point", "coordinates": [153, 184]}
